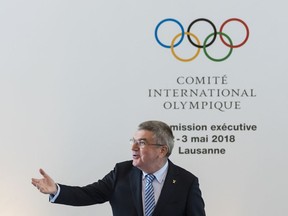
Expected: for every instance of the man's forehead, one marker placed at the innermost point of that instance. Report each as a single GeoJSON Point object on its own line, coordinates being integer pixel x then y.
{"type": "Point", "coordinates": [143, 134]}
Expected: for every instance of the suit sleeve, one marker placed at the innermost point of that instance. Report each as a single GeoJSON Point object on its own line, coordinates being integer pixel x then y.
{"type": "Point", "coordinates": [98, 192]}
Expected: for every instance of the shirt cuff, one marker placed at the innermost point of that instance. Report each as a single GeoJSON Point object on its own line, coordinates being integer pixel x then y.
{"type": "Point", "coordinates": [53, 197]}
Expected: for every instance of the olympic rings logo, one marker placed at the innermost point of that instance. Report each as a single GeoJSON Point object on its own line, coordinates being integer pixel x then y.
{"type": "Point", "coordinates": [207, 42]}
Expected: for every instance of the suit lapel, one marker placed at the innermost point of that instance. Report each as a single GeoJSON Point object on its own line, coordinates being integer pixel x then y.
{"type": "Point", "coordinates": [136, 189]}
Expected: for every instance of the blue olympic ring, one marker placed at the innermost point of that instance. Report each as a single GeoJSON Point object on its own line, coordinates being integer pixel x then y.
{"type": "Point", "coordinates": [167, 20]}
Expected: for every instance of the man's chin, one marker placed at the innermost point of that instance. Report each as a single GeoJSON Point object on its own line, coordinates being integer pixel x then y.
{"type": "Point", "coordinates": [135, 163]}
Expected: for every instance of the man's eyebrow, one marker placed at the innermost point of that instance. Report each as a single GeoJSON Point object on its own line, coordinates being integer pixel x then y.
{"type": "Point", "coordinates": [141, 139]}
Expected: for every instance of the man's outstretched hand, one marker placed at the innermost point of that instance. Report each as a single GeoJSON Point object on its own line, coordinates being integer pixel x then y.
{"type": "Point", "coordinates": [46, 184]}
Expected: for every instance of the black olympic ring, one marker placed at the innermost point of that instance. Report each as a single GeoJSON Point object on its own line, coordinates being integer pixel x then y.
{"type": "Point", "coordinates": [214, 29]}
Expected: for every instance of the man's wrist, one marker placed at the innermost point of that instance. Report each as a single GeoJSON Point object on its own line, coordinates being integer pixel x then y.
{"type": "Point", "coordinates": [54, 196]}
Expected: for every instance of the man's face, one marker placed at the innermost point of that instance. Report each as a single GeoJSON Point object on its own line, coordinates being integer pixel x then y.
{"type": "Point", "coordinates": [148, 158]}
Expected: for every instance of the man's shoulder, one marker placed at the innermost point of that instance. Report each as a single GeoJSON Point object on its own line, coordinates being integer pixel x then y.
{"type": "Point", "coordinates": [127, 163]}
{"type": "Point", "coordinates": [178, 170]}
{"type": "Point", "coordinates": [125, 168]}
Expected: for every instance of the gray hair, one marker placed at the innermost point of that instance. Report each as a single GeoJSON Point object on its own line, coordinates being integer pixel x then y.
{"type": "Point", "coordinates": [162, 133]}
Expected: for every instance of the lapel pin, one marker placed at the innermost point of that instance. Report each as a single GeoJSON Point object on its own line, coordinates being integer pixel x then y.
{"type": "Point", "coordinates": [174, 181]}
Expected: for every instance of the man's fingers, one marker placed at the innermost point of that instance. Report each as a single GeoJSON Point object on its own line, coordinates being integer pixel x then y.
{"type": "Point", "coordinates": [34, 182]}
{"type": "Point", "coordinates": [43, 173]}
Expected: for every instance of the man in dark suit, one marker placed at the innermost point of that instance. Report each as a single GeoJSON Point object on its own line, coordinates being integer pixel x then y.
{"type": "Point", "coordinates": [173, 191]}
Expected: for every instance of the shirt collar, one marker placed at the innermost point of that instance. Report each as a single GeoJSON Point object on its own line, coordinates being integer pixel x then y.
{"type": "Point", "coordinates": [160, 174]}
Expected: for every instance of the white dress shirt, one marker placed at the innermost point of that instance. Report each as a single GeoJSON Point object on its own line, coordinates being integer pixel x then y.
{"type": "Point", "coordinates": [158, 183]}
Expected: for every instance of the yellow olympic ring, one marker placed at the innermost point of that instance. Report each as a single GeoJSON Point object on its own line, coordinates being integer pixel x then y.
{"type": "Point", "coordinates": [182, 59]}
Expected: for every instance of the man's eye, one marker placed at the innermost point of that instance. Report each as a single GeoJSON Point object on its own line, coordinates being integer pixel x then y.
{"type": "Point", "coordinates": [142, 142]}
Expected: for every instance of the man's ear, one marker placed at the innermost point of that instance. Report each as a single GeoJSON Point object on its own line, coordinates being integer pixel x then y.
{"type": "Point", "coordinates": [164, 150]}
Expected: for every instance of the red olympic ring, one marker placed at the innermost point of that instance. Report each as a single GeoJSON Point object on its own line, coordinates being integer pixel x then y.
{"type": "Point", "coordinates": [247, 32]}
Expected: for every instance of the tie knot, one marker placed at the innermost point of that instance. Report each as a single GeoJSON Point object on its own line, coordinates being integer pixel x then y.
{"type": "Point", "coordinates": [150, 178]}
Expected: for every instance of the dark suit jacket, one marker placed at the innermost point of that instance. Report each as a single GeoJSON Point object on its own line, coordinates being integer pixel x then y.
{"type": "Point", "coordinates": [122, 187]}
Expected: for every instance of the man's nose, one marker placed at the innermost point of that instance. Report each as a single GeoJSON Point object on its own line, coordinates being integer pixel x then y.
{"type": "Point", "coordinates": [135, 146]}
